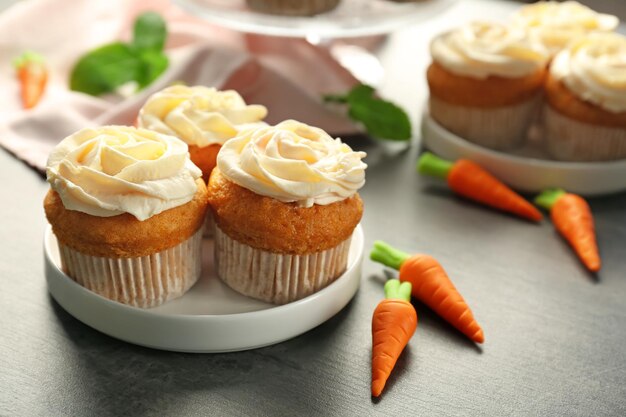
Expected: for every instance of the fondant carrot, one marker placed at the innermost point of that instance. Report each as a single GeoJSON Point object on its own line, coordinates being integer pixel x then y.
{"type": "Point", "coordinates": [431, 286]}
{"type": "Point", "coordinates": [572, 218]}
{"type": "Point", "coordinates": [468, 179]}
{"type": "Point", "coordinates": [393, 323]}
{"type": "Point", "coordinates": [33, 77]}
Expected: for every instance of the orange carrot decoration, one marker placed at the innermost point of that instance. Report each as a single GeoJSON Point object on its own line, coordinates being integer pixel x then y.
{"type": "Point", "coordinates": [33, 77]}
{"type": "Point", "coordinates": [468, 179]}
{"type": "Point", "coordinates": [572, 218]}
{"type": "Point", "coordinates": [393, 323]}
{"type": "Point", "coordinates": [431, 286]}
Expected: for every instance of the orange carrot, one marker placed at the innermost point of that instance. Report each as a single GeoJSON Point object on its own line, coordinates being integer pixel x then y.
{"type": "Point", "coordinates": [33, 77]}
{"type": "Point", "coordinates": [468, 179]}
{"type": "Point", "coordinates": [431, 286]}
{"type": "Point", "coordinates": [572, 218]}
{"type": "Point", "coordinates": [393, 323]}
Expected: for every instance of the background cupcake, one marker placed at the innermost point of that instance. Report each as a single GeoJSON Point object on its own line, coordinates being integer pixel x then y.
{"type": "Point", "coordinates": [556, 24]}
{"type": "Point", "coordinates": [126, 206]}
{"type": "Point", "coordinates": [585, 115]}
{"type": "Point", "coordinates": [202, 117]}
{"type": "Point", "coordinates": [293, 8]}
{"type": "Point", "coordinates": [485, 83]}
{"type": "Point", "coordinates": [285, 203]}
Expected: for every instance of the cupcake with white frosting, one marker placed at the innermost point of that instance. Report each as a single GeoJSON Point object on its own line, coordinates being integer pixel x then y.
{"type": "Point", "coordinates": [556, 24]}
{"type": "Point", "coordinates": [285, 204]}
{"type": "Point", "coordinates": [485, 83]}
{"type": "Point", "coordinates": [585, 114]}
{"type": "Point", "coordinates": [127, 208]}
{"type": "Point", "coordinates": [202, 117]}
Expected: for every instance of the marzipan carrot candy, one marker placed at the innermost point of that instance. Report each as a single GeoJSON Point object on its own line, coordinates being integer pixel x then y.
{"type": "Point", "coordinates": [572, 218]}
{"type": "Point", "coordinates": [393, 323]}
{"type": "Point", "coordinates": [33, 77]}
{"type": "Point", "coordinates": [468, 179]}
{"type": "Point", "coordinates": [431, 286]}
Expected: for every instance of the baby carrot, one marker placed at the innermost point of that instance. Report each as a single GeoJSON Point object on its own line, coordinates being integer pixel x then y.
{"type": "Point", "coordinates": [468, 179]}
{"type": "Point", "coordinates": [572, 218]}
{"type": "Point", "coordinates": [393, 323]}
{"type": "Point", "coordinates": [33, 77]}
{"type": "Point", "coordinates": [431, 286]}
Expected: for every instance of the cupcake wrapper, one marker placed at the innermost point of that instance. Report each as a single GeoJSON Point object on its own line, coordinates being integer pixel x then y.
{"type": "Point", "coordinates": [568, 139]}
{"type": "Point", "coordinates": [498, 128]}
{"type": "Point", "coordinates": [145, 282]}
{"type": "Point", "coordinates": [274, 277]}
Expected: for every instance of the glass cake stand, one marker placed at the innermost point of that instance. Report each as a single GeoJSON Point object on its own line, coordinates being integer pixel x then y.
{"type": "Point", "coordinates": [352, 18]}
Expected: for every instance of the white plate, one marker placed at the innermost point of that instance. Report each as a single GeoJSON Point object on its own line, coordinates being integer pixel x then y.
{"type": "Point", "coordinates": [351, 18]}
{"type": "Point", "coordinates": [210, 317]}
{"type": "Point", "coordinates": [526, 169]}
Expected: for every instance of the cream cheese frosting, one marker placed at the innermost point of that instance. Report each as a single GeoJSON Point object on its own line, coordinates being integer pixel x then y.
{"type": "Point", "coordinates": [483, 49]}
{"type": "Point", "coordinates": [199, 115]}
{"type": "Point", "coordinates": [293, 162]}
{"type": "Point", "coordinates": [594, 68]}
{"type": "Point", "coordinates": [116, 169]}
{"type": "Point", "coordinates": [555, 24]}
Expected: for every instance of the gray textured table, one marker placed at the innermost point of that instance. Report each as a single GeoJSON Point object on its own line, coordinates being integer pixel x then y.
{"type": "Point", "coordinates": [555, 337]}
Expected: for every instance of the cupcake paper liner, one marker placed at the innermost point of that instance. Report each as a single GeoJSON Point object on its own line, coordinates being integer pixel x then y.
{"type": "Point", "coordinates": [146, 281]}
{"type": "Point", "coordinates": [274, 277]}
{"type": "Point", "coordinates": [567, 139]}
{"type": "Point", "coordinates": [498, 128]}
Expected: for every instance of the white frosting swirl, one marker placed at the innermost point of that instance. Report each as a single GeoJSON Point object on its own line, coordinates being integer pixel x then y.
{"type": "Point", "coordinates": [594, 68]}
{"type": "Point", "coordinates": [483, 49]}
{"type": "Point", "coordinates": [293, 162]}
{"type": "Point", "coordinates": [555, 24]}
{"type": "Point", "coordinates": [116, 169]}
{"type": "Point", "coordinates": [199, 115]}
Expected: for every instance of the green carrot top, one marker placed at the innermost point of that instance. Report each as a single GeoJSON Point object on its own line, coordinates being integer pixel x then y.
{"type": "Point", "coordinates": [394, 289]}
{"type": "Point", "coordinates": [387, 255]}
{"type": "Point", "coordinates": [27, 57]}
{"type": "Point", "coordinates": [430, 164]}
{"type": "Point", "coordinates": [549, 197]}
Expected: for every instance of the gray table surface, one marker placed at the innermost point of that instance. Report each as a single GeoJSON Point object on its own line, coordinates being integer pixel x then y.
{"type": "Point", "coordinates": [555, 337]}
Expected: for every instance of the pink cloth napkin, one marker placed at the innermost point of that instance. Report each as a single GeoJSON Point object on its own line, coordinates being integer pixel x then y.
{"type": "Point", "coordinates": [268, 71]}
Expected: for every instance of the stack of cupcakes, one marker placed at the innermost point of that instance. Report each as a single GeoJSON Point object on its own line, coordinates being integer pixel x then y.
{"type": "Point", "coordinates": [127, 204]}
{"type": "Point", "coordinates": [491, 82]}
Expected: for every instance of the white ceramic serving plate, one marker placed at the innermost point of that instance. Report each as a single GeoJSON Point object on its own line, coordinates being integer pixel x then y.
{"type": "Point", "coordinates": [210, 317]}
{"type": "Point", "coordinates": [528, 169]}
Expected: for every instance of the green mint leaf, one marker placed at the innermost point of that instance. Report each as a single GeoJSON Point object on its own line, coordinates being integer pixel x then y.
{"type": "Point", "coordinates": [106, 68]}
{"type": "Point", "coordinates": [360, 92]}
{"type": "Point", "coordinates": [153, 64]}
{"type": "Point", "coordinates": [381, 118]}
{"type": "Point", "coordinates": [149, 32]}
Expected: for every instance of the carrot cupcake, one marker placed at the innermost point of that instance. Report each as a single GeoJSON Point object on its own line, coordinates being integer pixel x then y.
{"type": "Point", "coordinates": [555, 24]}
{"type": "Point", "coordinates": [485, 83]}
{"type": "Point", "coordinates": [202, 117]}
{"type": "Point", "coordinates": [127, 208]}
{"type": "Point", "coordinates": [285, 203]}
{"type": "Point", "coordinates": [585, 115]}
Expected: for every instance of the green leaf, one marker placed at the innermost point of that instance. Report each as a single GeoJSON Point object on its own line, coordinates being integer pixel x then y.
{"type": "Point", "coordinates": [106, 68]}
{"type": "Point", "coordinates": [360, 92]}
{"type": "Point", "coordinates": [381, 118]}
{"type": "Point", "coordinates": [153, 64]}
{"type": "Point", "coordinates": [149, 32]}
